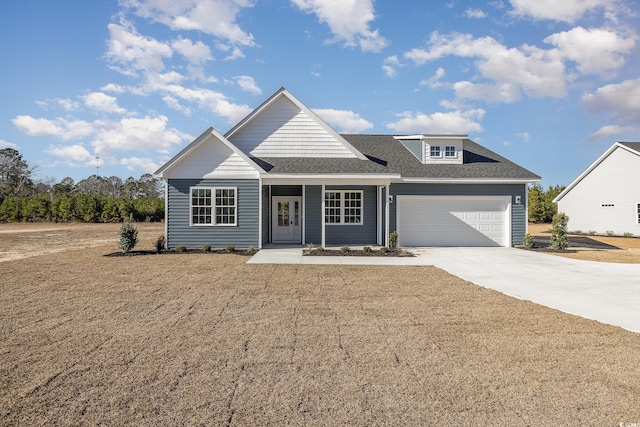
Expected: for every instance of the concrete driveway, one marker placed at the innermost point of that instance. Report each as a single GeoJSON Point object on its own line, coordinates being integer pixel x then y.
{"type": "Point", "coordinates": [608, 293]}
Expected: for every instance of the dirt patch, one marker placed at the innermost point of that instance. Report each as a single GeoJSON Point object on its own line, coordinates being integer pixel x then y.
{"type": "Point", "coordinates": [591, 248]}
{"type": "Point", "coordinates": [210, 340]}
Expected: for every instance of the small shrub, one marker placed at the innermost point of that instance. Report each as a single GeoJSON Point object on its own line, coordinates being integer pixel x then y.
{"type": "Point", "coordinates": [181, 248]}
{"type": "Point", "coordinates": [251, 250]}
{"type": "Point", "coordinates": [160, 243]}
{"type": "Point", "coordinates": [345, 249]}
{"type": "Point", "coordinates": [128, 236]}
{"type": "Point", "coordinates": [230, 248]}
{"type": "Point", "coordinates": [591, 233]}
{"type": "Point", "coordinates": [610, 233]}
{"type": "Point", "coordinates": [578, 232]}
{"type": "Point", "coordinates": [366, 249]}
{"type": "Point", "coordinates": [206, 248]}
{"type": "Point", "coordinates": [384, 249]}
{"type": "Point", "coordinates": [393, 240]}
{"type": "Point", "coordinates": [319, 249]}
{"type": "Point", "coordinates": [627, 234]}
{"type": "Point", "coordinates": [528, 241]}
{"type": "Point", "coordinates": [559, 240]}
{"type": "Point", "coordinates": [310, 247]}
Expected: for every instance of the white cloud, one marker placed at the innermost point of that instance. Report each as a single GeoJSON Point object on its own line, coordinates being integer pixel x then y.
{"type": "Point", "coordinates": [7, 144]}
{"type": "Point", "coordinates": [113, 88]}
{"type": "Point", "coordinates": [209, 100]}
{"type": "Point", "coordinates": [248, 84]}
{"type": "Point", "coordinates": [597, 51]}
{"type": "Point", "coordinates": [72, 154]}
{"type": "Point", "coordinates": [565, 10]}
{"type": "Point", "coordinates": [195, 53]}
{"type": "Point", "coordinates": [214, 17]}
{"type": "Point", "coordinates": [65, 103]}
{"type": "Point", "coordinates": [434, 82]}
{"type": "Point", "coordinates": [491, 92]}
{"type": "Point", "coordinates": [475, 14]}
{"type": "Point", "coordinates": [524, 135]}
{"type": "Point", "coordinates": [536, 72]}
{"type": "Point", "coordinates": [621, 102]}
{"type": "Point", "coordinates": [453, 122]}
{"type": "Point", "coordinates": [344, 120]}
{"type": "Point", "coordinates": [348, 21]}
{"type": "Point", "coordinates": [391, 65]}
{"type": "Point", "coordinates": [102, 102]}
{"type": "Point", "coordinates": [59, 128]}
{"type": "Point", "coordinates": [135, 163]}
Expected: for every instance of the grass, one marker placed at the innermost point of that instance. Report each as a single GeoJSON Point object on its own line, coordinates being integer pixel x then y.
{"type": "Point", "coordinates": [185, 340]}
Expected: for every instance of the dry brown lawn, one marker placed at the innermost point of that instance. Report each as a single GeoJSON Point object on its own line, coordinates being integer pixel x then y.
{"type": "Point", "coordinates": [206, 339]}
{"type": "Point", "coordinates": [594, 248]}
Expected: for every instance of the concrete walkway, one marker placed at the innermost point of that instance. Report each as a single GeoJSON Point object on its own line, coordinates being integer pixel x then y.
{"type": "Point", "coordinates": [606, 292]}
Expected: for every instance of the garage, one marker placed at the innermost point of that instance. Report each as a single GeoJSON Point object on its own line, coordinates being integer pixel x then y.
{"type": "Point", "coordinates": [453, 221]}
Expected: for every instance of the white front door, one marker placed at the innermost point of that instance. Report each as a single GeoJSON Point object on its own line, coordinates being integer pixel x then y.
{"type": "Point", "coordinates": [286, 220]}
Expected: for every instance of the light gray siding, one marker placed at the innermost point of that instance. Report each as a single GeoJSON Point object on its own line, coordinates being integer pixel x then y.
{"type": "Point", "coordinates": [518, 212]}
{"type": "Point", "coordinates": [242, 235]}
{"type": "Point", "coordinates": [415, 146]}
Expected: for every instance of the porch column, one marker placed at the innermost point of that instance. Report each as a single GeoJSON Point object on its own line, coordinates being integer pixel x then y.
{"type": "Point", "coordinates": [260, 213]}
{"type": "Point", "coordinates": [323, 243]}
{"type": "Point", "coordinates": [379, 216]}
{"type": "Point", "coordinates": [303, 212]}
{"type": "Point", "coordinates": [386, 216]}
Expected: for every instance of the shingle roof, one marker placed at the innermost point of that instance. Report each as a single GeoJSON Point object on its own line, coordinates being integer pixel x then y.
{"type": "Point", "coordinates": [633, 145]}
{"type": "Point", "coordinates": [387, 155]}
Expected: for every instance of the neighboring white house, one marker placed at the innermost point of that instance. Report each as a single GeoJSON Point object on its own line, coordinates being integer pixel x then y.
{"type": "Point", "coordinates": [606, 196]}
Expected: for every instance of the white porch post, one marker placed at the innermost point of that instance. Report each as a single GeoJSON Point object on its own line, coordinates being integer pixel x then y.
{"type": "Point", "coordinates": [379, 215]}
{"type": "Point", "coordinates": [386, 216]}
{"type": "Point", "coordinates": [302, 220]}
{"type": "Point", "coordinates": [323, 243]}
{"type": "Point", "coordinates": [270, 215]}
{"type": "Point", "coordinates": [260, 213]}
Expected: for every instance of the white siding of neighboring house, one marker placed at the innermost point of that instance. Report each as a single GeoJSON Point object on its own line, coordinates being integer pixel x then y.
{"type": "Point", "coordinates": [615, 181]}
{"type": "Point", "coordinates": [212, 159]}
{"type": "Point", "coordinates": [284, 130]}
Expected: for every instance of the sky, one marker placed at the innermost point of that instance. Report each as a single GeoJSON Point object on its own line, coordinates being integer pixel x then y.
{"type": "Point", "coordinates": [119, 87]}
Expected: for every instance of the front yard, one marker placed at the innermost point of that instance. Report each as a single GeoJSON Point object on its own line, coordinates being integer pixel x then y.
{"type": "Point", "coordinates": [208, 339]}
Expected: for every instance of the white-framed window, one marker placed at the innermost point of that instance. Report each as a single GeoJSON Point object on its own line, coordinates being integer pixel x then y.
{"type": "Point", "coordinates": [450, 151]}
{"type": "Point", "coordinates": [434, 151]}
{"type": "Point", "coordinates": [343, 207]}
{"type": "Point", "coordinates": [213, 205]}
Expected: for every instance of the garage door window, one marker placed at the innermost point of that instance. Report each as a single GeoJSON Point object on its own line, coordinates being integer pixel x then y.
{"type": "Point", "coordinates": [343, 207]}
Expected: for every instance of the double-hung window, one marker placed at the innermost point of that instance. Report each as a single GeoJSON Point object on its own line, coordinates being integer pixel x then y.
{"type": "Point", "coordinates": [213, 206]}
{"type": "Point", "coordinates": [343, 207]}
{"type": "Point", "coordinates": [434, 151]}
{"type": "Point", "coordinates": [450, 151]}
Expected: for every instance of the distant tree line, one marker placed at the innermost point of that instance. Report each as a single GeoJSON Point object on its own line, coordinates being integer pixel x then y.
{"type": "Point", "coordinates": [541, 206]}
{"type": "Point", "coordinates": [94, 199]}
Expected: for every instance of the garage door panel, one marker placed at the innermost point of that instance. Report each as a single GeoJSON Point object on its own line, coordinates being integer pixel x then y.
{"type": "Point", "coordinates": [426, 221]}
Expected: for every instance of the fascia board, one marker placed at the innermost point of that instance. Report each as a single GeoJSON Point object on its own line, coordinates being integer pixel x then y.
{"type": "Point", "coordinates": [184, 152]}
{"type": "Point", "coordinates": [470, 180]}
{"type": "Point", "coordinates": [587, 171]}
{"type": "Point", "coordinates": [330, 176]}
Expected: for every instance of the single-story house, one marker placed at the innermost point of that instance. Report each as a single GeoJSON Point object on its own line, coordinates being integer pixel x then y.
{"type": "Point", "coordinates": [606, 196]}
{"type": "Point", "coordinates": [282, 175]}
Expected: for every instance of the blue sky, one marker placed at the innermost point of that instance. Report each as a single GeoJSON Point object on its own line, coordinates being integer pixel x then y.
{"type": "Point", "coordinates": [547, 84]}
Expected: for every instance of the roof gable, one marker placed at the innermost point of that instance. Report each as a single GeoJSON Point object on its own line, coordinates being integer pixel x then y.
{"type": "Point", "coordinates": [209, 156]}
{"type": "Point", "coordinates": [632, 147]}
{"type": "Point", "coordinates": [284, 127]}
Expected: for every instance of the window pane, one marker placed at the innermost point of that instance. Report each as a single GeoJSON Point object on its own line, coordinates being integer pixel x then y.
{"type": "Point", "coordinates": [225, 205]}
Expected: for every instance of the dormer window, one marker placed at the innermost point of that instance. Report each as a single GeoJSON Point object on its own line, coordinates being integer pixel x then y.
{"type": "Point", "coordinates": [435, 151]}
{"type": "Point", "coordinates": [450, 151]}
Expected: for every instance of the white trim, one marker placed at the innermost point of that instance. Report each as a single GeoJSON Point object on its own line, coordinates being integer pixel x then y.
{"type": "Point", "coordinates": [274, 216]}
{"type": "Point", "coordinates": [379, 215]}
{"type": "Point", "coordinates": [259, 213]}
{"type": "Point", "coordinates": [591, 167]}
{"type": "Point", "coordinates": [166, 213]}
{"type": "Point", "coordinates": [323, 242]}
{"type": "Point", "coordinates": [304, 216]}
{"type": "Point", "coordinates": [343, 207]}
{"type": "Point", "coordinates": [508, 210]}
{"type": "Point", "coordinates": [469, 180]}
{"type": "Point", "coordinates": [386, 216]}
{"type": "Point", "coordinates": [214, 206]}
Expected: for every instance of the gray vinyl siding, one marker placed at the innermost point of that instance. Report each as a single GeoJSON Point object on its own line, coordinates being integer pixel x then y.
{"type": "Point", "coordinates": [414, 146]}
{"type": "Point", "coordinates": [242, 235]}
{"type": "Point", "coordinates": [518, 212]}
{"type": "Point", "coordinates": [266, 200]}
{"type": "Point", "coordinates": [355, 234]}
{"type": "Point", "coordinates": [312, 214]}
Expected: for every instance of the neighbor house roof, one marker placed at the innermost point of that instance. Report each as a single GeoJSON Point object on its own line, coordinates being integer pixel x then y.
{"type": "Point", "coordinates": [630, 146]}
{"type": "Point", "coordinates": [386, 155]}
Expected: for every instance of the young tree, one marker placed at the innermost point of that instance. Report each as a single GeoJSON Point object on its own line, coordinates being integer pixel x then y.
{"type": "Point", "coordinates": [559, 240]}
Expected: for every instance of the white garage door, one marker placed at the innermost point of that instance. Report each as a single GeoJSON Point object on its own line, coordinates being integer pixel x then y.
{"type": "Point", "coordinates": [453, 221]}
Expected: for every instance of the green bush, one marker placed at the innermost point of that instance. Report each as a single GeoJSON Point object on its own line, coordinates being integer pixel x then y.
{"type": "Point", "coordinates": [231, 248]}
{"type": "Point", "coordinates": [345, 249]}
{"type": "Point", "coordinates": [206, 247]}
{"type": "Point", "coordinates": [366, 249]}
{"type": "Point", "coordinates": [181, 248]}
{"type": "Point", "coordinates": [393, 239]}
{"type": "Point", "coordinates": [627, 234]}
{"type": "Point", "coordinates": [251, 250]}
{"type": "Point", "coordinates": [128, 237]}
{"type": "Point", "coordinates": [384, 249]}
{"type": "Point", "coordinates": [528, 241]}
{"type": "Point", "coordinates": [160, 243]}
{"type": "Point", "coordinates": [559, 240]}
{"type": "Point", "coordinates": [610, 233]}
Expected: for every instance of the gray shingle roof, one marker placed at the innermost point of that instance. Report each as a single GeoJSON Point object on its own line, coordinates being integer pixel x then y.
{"type": "Point", "coordinates": [633, 145]}
{"type": "Point", "coordinates": [387, 155]}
